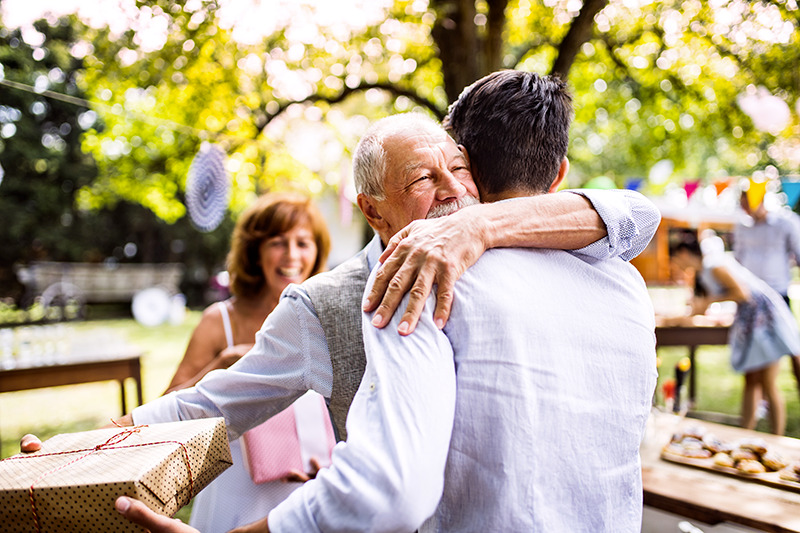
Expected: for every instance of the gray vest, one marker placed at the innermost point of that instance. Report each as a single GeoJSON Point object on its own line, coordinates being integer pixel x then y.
{"type": "Point", "coordinates": [336, 296]}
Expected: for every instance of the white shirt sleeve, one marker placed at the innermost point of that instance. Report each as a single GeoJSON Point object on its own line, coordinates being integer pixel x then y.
{"type": "Point", "coordinates": [631, 222]}
{"type": "Point", "coordinates": [389, 475]}
{"type": "Point", "coordinates": [289, 358]}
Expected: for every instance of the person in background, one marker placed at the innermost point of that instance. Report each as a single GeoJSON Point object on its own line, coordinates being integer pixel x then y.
{"type": "Point", "coordinates": [280, 239]}
{"type": "Point", "coordinates": [767, 243]}
{"type": "Point", "coordinates": [763, 329]}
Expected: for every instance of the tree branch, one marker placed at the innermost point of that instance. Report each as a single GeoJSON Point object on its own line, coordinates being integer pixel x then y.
{"type": "Point", "coordinates": [579, 32]}
{"type": "Point", "coordinates": [522, 51]}
{"type": "Point", "coordinates": [347, 91]}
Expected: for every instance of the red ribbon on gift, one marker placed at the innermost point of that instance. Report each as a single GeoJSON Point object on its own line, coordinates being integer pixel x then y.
{"type": "Point", "coordinates": [110, 444]}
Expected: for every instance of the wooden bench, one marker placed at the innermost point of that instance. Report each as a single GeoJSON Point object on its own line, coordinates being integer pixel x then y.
{"type": "Point", "coordinates": [57, 283]}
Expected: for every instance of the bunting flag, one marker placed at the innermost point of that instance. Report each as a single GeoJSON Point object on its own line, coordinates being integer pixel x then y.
{"type": "Point", "coordinates": [721, 184]}
{"type": "Point", "coordinates": [755, 193]}
{"type": "Point", "coordinates": [690, 187]}
{"type": "Point", "coordinates": [792, 191]}
{"type": "Point", "coordinates": [634, 184]}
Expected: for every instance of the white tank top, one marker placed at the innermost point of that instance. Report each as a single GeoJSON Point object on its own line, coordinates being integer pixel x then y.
{"type": "Point", "coordinates": [226, 323]}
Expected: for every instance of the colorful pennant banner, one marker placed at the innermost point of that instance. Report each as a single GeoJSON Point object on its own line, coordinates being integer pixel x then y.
{"type": "Point", "coordinates": [755, 193]}
{"type": "Point", "coordinates": [792, 191]}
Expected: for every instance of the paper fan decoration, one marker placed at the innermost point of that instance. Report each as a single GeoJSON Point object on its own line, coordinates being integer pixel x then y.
{"type": "Point", "coordinates": [207, 188]}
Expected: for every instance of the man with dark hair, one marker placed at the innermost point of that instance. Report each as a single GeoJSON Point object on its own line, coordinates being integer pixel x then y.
{"type": "Point", "coordinates": [524, 413]}
{"type": "Point", "coordinates": [515, 127]}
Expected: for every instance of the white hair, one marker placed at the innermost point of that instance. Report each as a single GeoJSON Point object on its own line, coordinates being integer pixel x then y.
{"type": "Point", "coordinates": [369, 160]}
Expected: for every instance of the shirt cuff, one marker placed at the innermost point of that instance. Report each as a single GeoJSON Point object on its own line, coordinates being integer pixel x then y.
{"type": "Point", "coordinates": [615, 211]}
{"type": "Point", "coordinates": [160, 410]}
{"type": "Point", "coordinates": [292, 515]}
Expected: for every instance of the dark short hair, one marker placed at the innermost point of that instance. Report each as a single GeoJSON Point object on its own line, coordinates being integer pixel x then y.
{"type": "Point", "coordinates": [270, 215]}
{"type": "Point", "coordinates": [515, 127]}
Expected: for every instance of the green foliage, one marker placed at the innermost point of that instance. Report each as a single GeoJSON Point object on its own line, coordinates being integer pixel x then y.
{"type": "Point", "coordinates": [40, 150]}
{"type": "Point", "coordinates": [653, 81]}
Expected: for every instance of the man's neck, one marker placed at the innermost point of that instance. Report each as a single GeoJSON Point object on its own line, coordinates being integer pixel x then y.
{"type": "Point", "coordinates": [505, 195]}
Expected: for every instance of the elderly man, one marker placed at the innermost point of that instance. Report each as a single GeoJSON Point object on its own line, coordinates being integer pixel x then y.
{"type": "Point", "coordinates": [552, 356]}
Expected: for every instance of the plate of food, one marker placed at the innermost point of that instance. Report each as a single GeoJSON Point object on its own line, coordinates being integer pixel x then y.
{"type": "Point", "coordinates": [748, 459]}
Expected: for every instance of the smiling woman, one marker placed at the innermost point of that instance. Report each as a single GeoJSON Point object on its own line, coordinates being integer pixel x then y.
{"type": "Point", "coordinates": [280, 239]}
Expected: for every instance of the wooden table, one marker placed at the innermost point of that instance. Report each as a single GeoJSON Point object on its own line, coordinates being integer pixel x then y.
{"type": "Point", "coordinates": [712, 497]}
{"type": "Point", "coordinates": [691, 337]}
{"type": "Point", "coordinates": [116, 364]}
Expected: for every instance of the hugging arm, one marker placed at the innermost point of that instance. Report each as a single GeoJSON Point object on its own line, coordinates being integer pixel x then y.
{"type": "Point", "coordinates": [594, 223]}
{"type": "Point", "coordinates": [289, 358]}
{"type": "Point", "coordinates": [389, 475]}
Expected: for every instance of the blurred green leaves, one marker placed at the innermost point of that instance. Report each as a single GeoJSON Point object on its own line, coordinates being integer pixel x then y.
{"type": "Point", "coordinates": [652, 82]}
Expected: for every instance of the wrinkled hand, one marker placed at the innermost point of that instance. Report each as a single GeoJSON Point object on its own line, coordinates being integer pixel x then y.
{"type": "Point", "coordinates": [30, 443]}
{"type": "Point", "coordinates": [424, 253]}
{"type": "Point", "coordinates": [140, 514]}
{"type": "Point", "coordinates": [302, 477]}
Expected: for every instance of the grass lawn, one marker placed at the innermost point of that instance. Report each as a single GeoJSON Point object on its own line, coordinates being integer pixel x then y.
{"type": "Point", "coordinates": [719, 388]}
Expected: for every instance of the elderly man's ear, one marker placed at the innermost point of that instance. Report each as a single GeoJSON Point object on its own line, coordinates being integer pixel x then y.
{"type": "Point", "coordinates": [371, 213]}
{"type": "Point", "coordinates": [562, 173]}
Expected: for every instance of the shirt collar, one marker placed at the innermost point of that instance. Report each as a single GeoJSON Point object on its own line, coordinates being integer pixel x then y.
{"type": "Point", "coordinates": [373, 250]}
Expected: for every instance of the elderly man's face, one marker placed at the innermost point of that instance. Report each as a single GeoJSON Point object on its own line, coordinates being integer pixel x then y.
{"type": "Point", "coordinates": [426, 176]}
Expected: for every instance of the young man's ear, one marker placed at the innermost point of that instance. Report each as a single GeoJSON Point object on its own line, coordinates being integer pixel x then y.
{"type": "Point", "coordinates": [481, 191]}
{"type": "Point", "coordinates": [463, 150]}
{"type": "Point", "coordinates": [370, 210]}
{"type": "Point", "coordinates": [562, 173]}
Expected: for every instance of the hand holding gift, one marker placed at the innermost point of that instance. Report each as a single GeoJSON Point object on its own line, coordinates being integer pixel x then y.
{"type": "Point", "coordinates": [72, 482]}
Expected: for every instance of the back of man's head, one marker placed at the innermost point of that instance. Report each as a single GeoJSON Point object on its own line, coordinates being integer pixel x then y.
{"type": "Point", "coordinates": [515, 127]}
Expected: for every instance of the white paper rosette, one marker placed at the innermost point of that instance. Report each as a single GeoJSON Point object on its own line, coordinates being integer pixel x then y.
{"type": "Point", "coordinates": [207, 188]}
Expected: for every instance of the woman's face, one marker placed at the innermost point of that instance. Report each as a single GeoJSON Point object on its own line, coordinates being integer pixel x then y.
{"type": "Point", "coordinates": [288, 257]}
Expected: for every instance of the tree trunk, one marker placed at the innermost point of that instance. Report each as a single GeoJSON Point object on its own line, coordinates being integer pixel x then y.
{"type": "Point", "coordinates": [495, 24]}
{"type": "Point", "coordinates": [579, 32]}
{"type": "Point", "coordinates": [456, 37]}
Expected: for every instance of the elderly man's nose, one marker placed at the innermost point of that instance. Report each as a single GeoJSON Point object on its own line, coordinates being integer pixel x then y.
{"type": "Point", "coordinates": [451, 187]}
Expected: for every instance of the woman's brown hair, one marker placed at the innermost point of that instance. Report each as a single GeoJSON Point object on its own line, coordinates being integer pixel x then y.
{"type": "Point", "coordinates": [270, 215]}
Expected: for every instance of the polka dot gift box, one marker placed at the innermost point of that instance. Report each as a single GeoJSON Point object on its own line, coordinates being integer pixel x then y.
{"type": "Point", "coordinates": [72, 482]}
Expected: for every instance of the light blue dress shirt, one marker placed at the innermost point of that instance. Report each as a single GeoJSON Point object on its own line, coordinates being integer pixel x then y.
{"type": "Point", "coordinates": [769, 248]}
{"type": "Point", "coordinates": [525, 414]}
